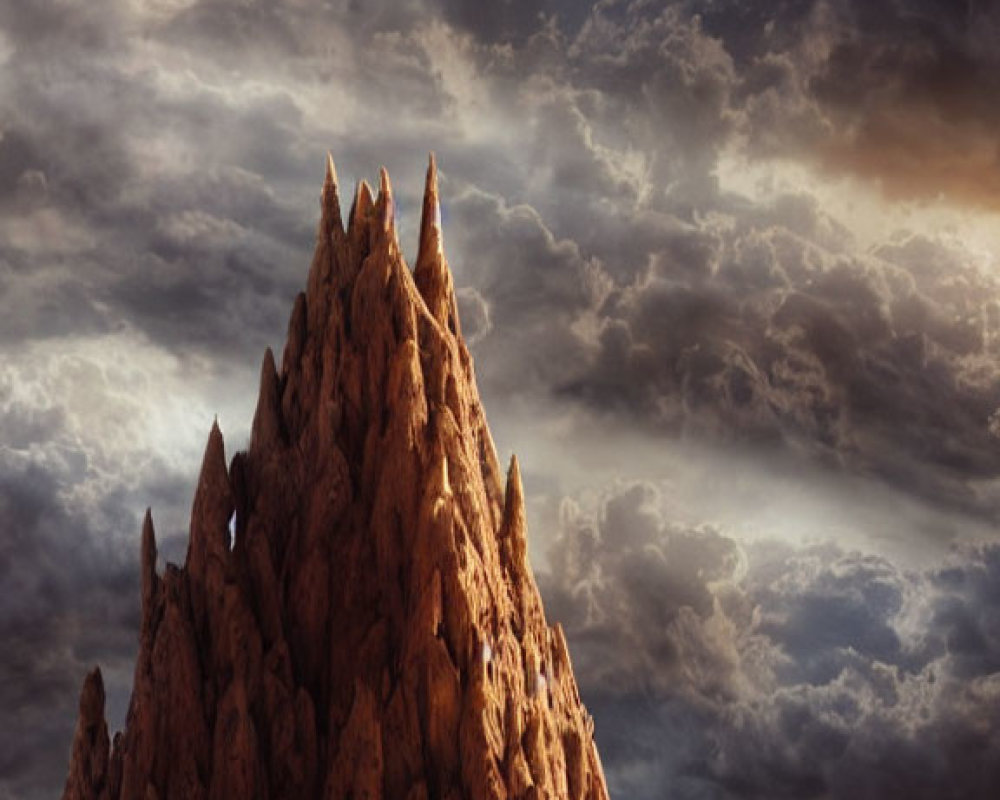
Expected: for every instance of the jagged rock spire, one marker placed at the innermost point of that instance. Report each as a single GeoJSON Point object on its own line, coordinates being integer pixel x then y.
{"type": "Point", "coordinates": [88, 775]}
{"type": "Point", "coordinates": [330, 221]}
{"type": "Point", "coordinates": [431, 274]}
{"type": "Point", "coordinates": [385, 208]}
{"type": "Point", "coordinates": [361, 209]}
{"type": "Point", "coordinates": [513, 528]}
{"type": "Point", "coordinates": [431, 238]}
{"type": "Point", "coordinates": [267, 425]}
{"type": "Point", "coordinates": [375, 630]}
{"type": "Point", "coordinates": [147, 563]}
{"type": "Point", "coordinates": [208, 545]}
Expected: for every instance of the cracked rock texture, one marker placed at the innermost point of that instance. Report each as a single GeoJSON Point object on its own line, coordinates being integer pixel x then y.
{"type": "Point", "coordinates": [373, 630]}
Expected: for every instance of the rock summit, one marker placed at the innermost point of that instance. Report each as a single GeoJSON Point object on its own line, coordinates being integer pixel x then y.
{"type": "Point", "coordinates": [356, 616]}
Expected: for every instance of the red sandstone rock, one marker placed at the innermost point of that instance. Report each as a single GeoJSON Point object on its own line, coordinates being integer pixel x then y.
{"type": "Point", "coordinates": [88, 771]}
{"type": "Point", "coordinates": [374, 631]}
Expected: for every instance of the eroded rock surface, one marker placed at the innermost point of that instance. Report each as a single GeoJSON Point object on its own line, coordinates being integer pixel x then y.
{"type": "Point", "coordinates": [374, 629]}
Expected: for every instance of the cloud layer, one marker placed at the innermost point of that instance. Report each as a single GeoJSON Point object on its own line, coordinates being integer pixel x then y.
{"type": "Point", "coordinates": [764, 669]}
{"type": "Point", "coordinates": [731, 225]}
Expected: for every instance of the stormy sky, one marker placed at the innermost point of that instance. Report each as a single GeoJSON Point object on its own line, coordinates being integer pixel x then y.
{"type": "Point", "coordinates": [729, 273]}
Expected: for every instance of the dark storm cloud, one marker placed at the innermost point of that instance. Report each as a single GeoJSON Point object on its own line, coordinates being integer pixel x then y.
{"type": "Point", "coordinates": [532, 286]}
{"type": "Point", "coordinates": [159, 166]}
{"type": "Point", "coordinates": [774, 670]}
{"type": "Point", "coordinates": [68, 577]}
{"type": "Point", "coordinates": [163, 191]}
{"type": "Point", "coordinates": [513, 20]}
{"type": "Point", "coordinates": [69, 602]}
{"type": "Point", "coordinates": [474, 313]}
{"type": "Point", "coordinates": [89, 223]}
{"type": "Point", "coordinates": [789, 342]}
{"type": "Point", "coordinates": [760, 327]}
{"type": "Point", "coordinates": [702, 314]}
{"type": "Point", "coordinates": [925, 122]}
{"type": "Point", "coordinates": [170, 193]}
{"type": "Point", "coordinates": [899, 92]}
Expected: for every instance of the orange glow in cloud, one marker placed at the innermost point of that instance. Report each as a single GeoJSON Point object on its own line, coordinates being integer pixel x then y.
{"type": "Point", "coordinates": [915, 154]}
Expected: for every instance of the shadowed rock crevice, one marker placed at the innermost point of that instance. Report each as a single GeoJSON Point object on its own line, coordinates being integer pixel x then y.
{"type": "Point", "coordinates": [373, 629]}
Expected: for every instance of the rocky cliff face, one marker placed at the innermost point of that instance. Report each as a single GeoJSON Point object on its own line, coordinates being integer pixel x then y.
{"type": "Point", "coordinates": [373, 629]}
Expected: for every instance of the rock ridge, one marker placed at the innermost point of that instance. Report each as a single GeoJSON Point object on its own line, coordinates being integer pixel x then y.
{"type": "Point", "coordinates": [372, 629]}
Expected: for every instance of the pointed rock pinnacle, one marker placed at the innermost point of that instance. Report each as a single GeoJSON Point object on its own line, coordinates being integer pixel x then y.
{"type": "Point", "coordinates": [431, 273]}
{"type": "Point", "coordinates": [330, 181]}
{"type": "Point", "coordinates": [89, 765]}
{"type": "Point", "coordinates": [363, 200]}
{"type": "Point", "coordinates": [361, 210]}
{"type": "Point", "coordinates": [513, 528]}
{"type": "Point", "coordinates": [266, 431]}
{"type": "Point", "coordinates": [209, 541]}
{"type": "Point", "coordinates": [375, 630]}
{"type": "Point", "coordinates": [431, 240]}
{"type": "Point", "coordinates": [385, 211]}
{"type": "Point", "coordinates": [149, 579]}
{"type": "Point", "coordinates": [331, 220]}
{"type": "Point", "coordinates": [212, 497]}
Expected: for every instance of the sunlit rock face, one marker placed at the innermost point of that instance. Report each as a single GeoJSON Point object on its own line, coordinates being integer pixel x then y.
{"type": "Point", "coordinates": [356, 616]}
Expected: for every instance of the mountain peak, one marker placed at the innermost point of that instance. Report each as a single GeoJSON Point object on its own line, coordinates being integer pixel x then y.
{"type": "Point", "coordinates": [431, 273]}
{"type": "Point", "coordinates": [373, 629]}
{"type": "Point", "coordinates": [331, 218]}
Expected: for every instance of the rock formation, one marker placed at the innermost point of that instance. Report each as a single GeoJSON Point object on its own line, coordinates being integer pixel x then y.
{"type": "Point", "coordinates": [373, 629]}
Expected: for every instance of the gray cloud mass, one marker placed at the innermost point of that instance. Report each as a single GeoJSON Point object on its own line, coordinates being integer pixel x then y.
{"type": "Point", "coordinates": [776, 671]}
{"type": "Point", "coordinates": [680, 229]}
